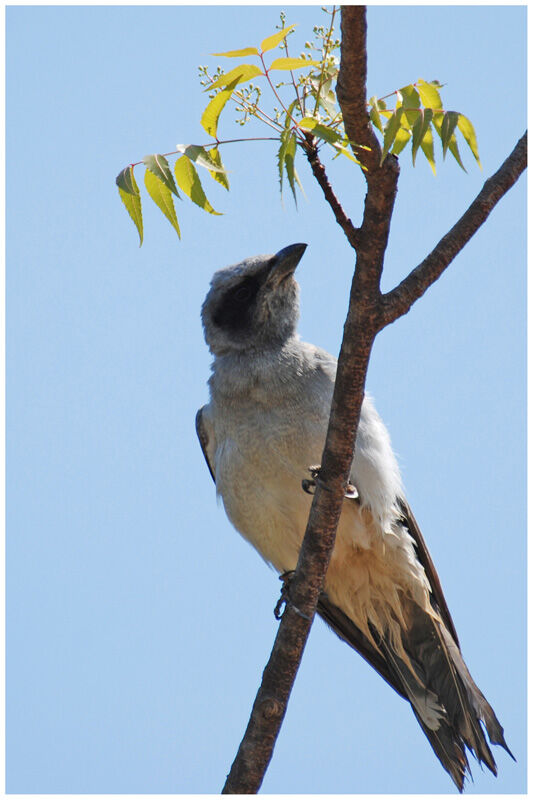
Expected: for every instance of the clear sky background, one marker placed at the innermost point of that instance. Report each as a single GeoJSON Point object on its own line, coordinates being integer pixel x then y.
{"type": "Point", "coordinates": [138, 621]}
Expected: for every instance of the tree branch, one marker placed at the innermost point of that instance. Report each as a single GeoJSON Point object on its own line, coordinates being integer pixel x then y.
{"type": "Point", "coordinates": [398, 301]}
{"type": "Point", "coordinates": [362, 324]}
{"type": "Point", "coordinates": [350, 231]}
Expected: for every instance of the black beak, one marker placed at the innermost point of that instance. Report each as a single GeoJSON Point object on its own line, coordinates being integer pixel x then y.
{"type": "Point", "coordinates": [286, 261]}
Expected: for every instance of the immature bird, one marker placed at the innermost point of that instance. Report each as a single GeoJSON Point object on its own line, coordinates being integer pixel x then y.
{"type": "Point", "coordinates": [263, 428]}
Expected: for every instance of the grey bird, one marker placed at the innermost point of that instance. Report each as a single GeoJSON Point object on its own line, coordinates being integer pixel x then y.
{"type": "Point", "coordinates": [265, 425]}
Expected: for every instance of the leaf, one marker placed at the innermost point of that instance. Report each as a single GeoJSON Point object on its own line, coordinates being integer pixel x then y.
{"type": "Point", "coordinates": [293, 63]}
{"type": "Point", "coordinates": [126, 181]}
{"type": "Point", "coordinates": [239, 74]}
{"type": "Point", "coordinates": [189, 180]}
{"type": "Point", "coordinates": [391, 129]}
{"type": "Point", "coordinates": [132, 201]}
{"type": "Point", "coordinates": [162, 197]}
{"type": "Point", "coordinates": [419, 130]}
{"type": "Point", "coordinates": [429, 95]}
{"type": "Point", "coordinates": [214, 108]}
{"type": "Point", "coordinates": [200, 156]}
{"type": "Point", "coordinates": [342, 150]}
{"type": "Point", "coordinates": [158, 165]}
{"type": "Point", "coordinates": [272, 41]}
{"type": "Point", "coordinates": [219, 177]}
{"type": "Point", "coordinates": [449, 123]}
{"type": "Point", "coordinates": [246, 51]}
{"type": "Point", "coordinates": [402, 138]}
{"type": "Point", "coordinates": [467, 129]}
{"type": "Point", "coordinates": [322, 131]}
{"type": "Point", "coordinates": [290, 152]}
{"type": "Point", "coordinates": [438, 122]}
{"type": "Point", "coordinates": [374, 113]}
{"type": "Point", "coordinates": [427, 148]}
{"type": "Point", "coordinates": [410, 97]}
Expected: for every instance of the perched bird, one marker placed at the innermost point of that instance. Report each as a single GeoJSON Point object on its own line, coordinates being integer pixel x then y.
{"type": "Point", "coordinates": [264, 426]}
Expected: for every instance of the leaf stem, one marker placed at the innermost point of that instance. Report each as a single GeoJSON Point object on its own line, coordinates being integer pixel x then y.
{"type": "Point", "coordinates": [219, 142]}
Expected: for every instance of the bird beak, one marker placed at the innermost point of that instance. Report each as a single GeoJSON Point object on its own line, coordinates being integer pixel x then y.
{"type": "Point", "coordinates": [285, 262]}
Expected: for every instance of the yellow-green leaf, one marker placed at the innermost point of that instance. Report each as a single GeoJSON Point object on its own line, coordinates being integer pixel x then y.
{"type": "Point", "coordinates": [419, 130]}
{"type": "Point", "coordinates": [322, 131]}
{"type": "Point", "coordinates": [219, 176]}
{"type": "Point", "coordinates": [341, 150]}
{"type": "Point", "coordinates": [162, 197]}
{"type": "Point", "coordinates": [133, 207]}
{"type": "Point", "coordinates": [391, 129]}
{"type": "Point", "coordinates": [427, 148]}
{"type": "Point", "coordinates": [467, 129]}
{"type": "Point", "coordinates": [272, 41]}
{"type": "Point", "coordinates": [246, 51]}
{"type": "Point", "coordinates": [402, 138]}
{"type": "Point", "coordinates": [159, 166]}
{"type": "Point", "coordinates": [200, 156]}
{"type": "Point", "coordinates": [290, 152]}
{"type": "Point", "coordinates": [189, 180]}
{"type": "Point", "coordinates": [244, 72]}
{"type": "Point", "coordinates": [410, 97]}
{"type": "Point", "coordinates": [374, 113]}
{"type": "Point", "coordinates": [449, 124]}
{"type": "Point", "coordinates": [126, 181]}
{"type": "Point", "coordinates": [429, 94]}
{"type": "Point", "coordinates": [214, 108]}
{"type": "Point", "coordinates": [293, 63]}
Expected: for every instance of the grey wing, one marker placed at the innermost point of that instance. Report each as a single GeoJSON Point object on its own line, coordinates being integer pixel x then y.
{"type": "Point", "coordinates": [425, 559]}
{"type": "Point", "coordinates": [205, 436]}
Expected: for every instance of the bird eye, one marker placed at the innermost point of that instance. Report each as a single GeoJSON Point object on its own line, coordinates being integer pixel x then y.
{"type": "Point", "coordinates": [243, 293]}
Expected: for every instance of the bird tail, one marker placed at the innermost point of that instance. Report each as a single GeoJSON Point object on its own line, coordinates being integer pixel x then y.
{"type": "Point", "coordinates": [447, 703]}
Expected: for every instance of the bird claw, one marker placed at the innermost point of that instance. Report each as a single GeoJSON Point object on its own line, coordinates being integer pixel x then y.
{"type": "Point", "coordinates": [309, 484]}
{"type": "Point", "coordinates": [285, 578]}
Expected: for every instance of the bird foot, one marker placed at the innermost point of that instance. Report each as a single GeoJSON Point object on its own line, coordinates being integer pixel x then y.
{"type": "Point", "coordinates": [285, 598]}
{"type": "Point", "coordinates": [309, 484]}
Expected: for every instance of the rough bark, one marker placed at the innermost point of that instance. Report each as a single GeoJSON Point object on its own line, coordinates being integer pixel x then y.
{"type": "Point", "coordinates": [368, 312]}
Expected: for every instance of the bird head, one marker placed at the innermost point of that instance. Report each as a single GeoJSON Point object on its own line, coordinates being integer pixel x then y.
{"type": "Point", "coordinates": [254, 304]}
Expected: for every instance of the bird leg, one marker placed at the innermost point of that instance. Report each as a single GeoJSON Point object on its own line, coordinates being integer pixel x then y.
{"type": "Point", "coordinates": [309, 484]}
{"type": "Point", "coordinates": [285, 598]}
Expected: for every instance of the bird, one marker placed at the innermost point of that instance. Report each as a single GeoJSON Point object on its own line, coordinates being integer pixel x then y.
{"type": "Point", "coordinates": [263, 429]}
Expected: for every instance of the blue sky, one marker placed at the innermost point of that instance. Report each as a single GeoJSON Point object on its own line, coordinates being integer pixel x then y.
{"type": "Point", "coordinates": [138, 621]}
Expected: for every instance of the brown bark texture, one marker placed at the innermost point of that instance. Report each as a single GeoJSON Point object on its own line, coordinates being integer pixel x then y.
{"type": "Point", "coordinates": [369, 311]}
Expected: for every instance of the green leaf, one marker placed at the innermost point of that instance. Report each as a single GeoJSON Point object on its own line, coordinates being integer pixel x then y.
{"type": "Point", "coordinates": [189, 180]}
{"type": "Point", "coordinates": [126, 181]}
{"type": "Point", "coordinates": [410, 97]}
{"type": "Point", "coordinates": [342, 150]}
{"type": "Point", "coordinates": [438, 122]}
{"type": "Point", "coordinates": [374, 113]}
{"type": "Point", "coordinates": [427, 148]}
{"type": "Point", "coordinates": [467, 129]}
{"type": "Point", "coordinates": [246, 51]}
{"type": "Point", "coordinates": [219, 177]}
{"type": "Point", "coordinates": [429, 94]}
{"type": "Point", "coordinates": [293, 63]}
{"type": "Point", "coordinates": [162, 197]}
{"type": "Point", "coordinates": [132, 201]}
{"type": "Point", "coordinates": [290, 152]}
{"type": "Point", "coordinates": [214, 108]}
{"type": "Point", "coordinates": [158, 165]}
{"type": "Point", "coordinates": [391, 129]}
{"type": "Point", "coordinates": [402, 138]}
{"type": "Point", "coordinates": [272, 41]}
{"type": "Point", "coordinates": [200, 156]}
{"type": "Point", "coordinates": [419, 130]}
{"type": "Point", "coordinates": [449, 124]}
{"type": "Point", "coordinates": [244, 72]}
{"type": "Point", "coordinates": [322, 131]}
